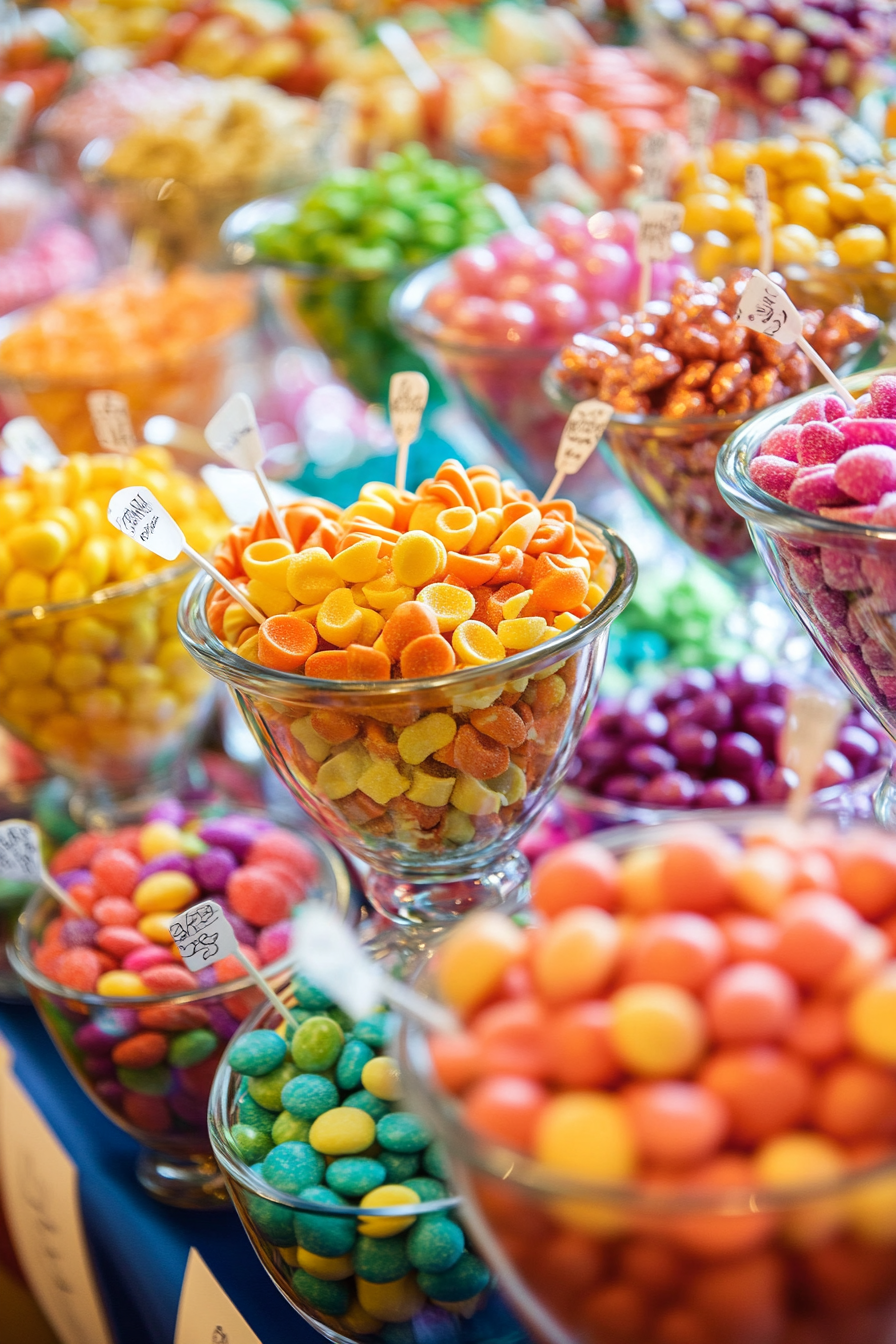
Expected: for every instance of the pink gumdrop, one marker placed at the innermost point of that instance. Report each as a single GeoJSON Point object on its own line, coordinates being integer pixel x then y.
{"type": "Point", "coordinates": [563, 271]}
{"type": "Point", "coordinates": [472, 319]}
{"type": "Point", "coordinates": [867, 473]}
{"type": "Point", "coordinates": [515, 324]}
{"type": "Point", "coordinates": [883, 397]}
{"type": "Point", "coordinates": [609, 271]}
{"type": "Point", "coordinates": [476, 269]}
{"type": "Point", "coordinates": [782, 442]}
{"type": "Point", "coordinates": [442, 300]}
{"type": "Point", "coordinates": [567, 229]}
{"type": "Point", "coordinates": [145, 957]}
{"type": "Point", "coordinates": [842, 569]}
{"type": "Point", "coordinates": [559, 309]}
{"type": "Point", "coordinates": [885, 512]}
{"type": "Point", "coordinates": [519, 254]}
{"type": "Point", "coordinates": [859, 432]}
{"type": "Point", "coordinates": [624, 229]}
{"type": "Point", "coordinates": [819, 443]}
{"type": "Point", "coordinates": [850, 513]}
{"type": "Point", "coordinates": [515, 285]}
{"type": "Point", "coordinates": [815, 486]}
{"type": "Point", "coordinates": [273, 942]}
{"type": "Point", "coordinates": [821, 407]}
{"type": "Point", "coordinates": [774, 475]}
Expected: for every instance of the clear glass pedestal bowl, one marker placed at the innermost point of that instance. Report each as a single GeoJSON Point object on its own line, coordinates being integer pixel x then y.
{"type": "Point", "coordinates": [838, 578]}
{"type": "Point", "coordinates": [163, 1107]}
{"type": "Point", "coordinates": [431, 860]}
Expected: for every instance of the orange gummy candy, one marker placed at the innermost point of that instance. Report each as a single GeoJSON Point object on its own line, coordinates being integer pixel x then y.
{"type": "Point", "coordinates": [427, 656]}
{"type": "Point", "coordinates": [478, 755]}
{"type": "Point", "coordinates": [329, 664]}
{"type": "Point", "coordinates": [366, 664]}
{"type": "Point", "coordinates": [286, 642]}
{"type": "Point", "coordinates": [501, 723]}
{"type": "Point", "coordinates": [409, 621]}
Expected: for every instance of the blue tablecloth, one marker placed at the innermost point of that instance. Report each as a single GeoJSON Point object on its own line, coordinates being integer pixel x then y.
{"type": "Point", "coordinates": [140, 1247]}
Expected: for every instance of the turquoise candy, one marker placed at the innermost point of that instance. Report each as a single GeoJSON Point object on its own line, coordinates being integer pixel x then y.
{"type": "Point", "coordinates": [154, 1082]}
{"type": "Point", "coordinates": [255, 1116]}
{"type": "Point", "coordinates": [332, 1297]}
{"type": "Point", "coordinates": [427, 1188]}
{"type": "Point", "coordinates": [376, 1030]}
{"type": "Point", "coordinates": [355, 1176]}
{"type": "Point", "coordinates": [366, 1101]}
{"type": "Point", "coordinates": [466, 1277]}
{"type": "Point", "coordinates": [354, 1056]}
{"type": "Point", "coordinates": [292, 1167]}
{"type": "Point", "coordinates": [399, 1166]}
{"type": "Point", "coordinates": [308, 996]}
{"type": "Point", "coordinates": [397, 1333]}
{"type": "Point", "coordinates": [309, 1095]}
{"type": "Point", "coordinates": [381, 1259]}
{"type": "Point", "coordinates": [320, 1234]}
{"type": "Point", "coordinates": [254, 1144]}
{"type": "Point", "coordinates": [290, 1129]}
{"type": "Point", "coordinates": [434, 1162]}
{"type": "Point", "coordinates": [435, 1244]}
{"type": "Point", "coordinates": [402, 1132]}
{"type": "Point", "coordinates": [191, 1047]}
{"type": "Point", "coordinates": [273, 1221]}
{"type": "Point", "coordinates": [266, 1090]}
{"type": "Point", "coordinates": [256, 1053]}
{"type": "Point", "coordinates": [317, 1044]}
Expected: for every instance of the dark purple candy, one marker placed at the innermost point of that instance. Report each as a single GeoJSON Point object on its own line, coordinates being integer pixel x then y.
{"type": "Point", "coordinates": [110, 1091]}
{"type": "Point", "coordinates": [775, 783]}
{"type": "Point", "coordinates": [648, 726]}
{"type": "Point", "coordinates": [859, 748]}
{"type": "Point", "coordinates": [190, 1109]}
{"type": "Point", "coordinates": [739, 754]}
{"type": "Point", "coordinates": [93, 1041]}
{"type": "Point", "coordinates": [79, 933]}
{"type": "Point", "coordinates": [623, 788]}
{"type": "Point", "coordinates": [167, 863]}
{"type": "Point", "coordinates": [748, 683]}
{"type": "Point", "coordinates": [764, 722]}
{"type": "Point", "coordinates": [220, 1021]}
{"type": "Point", "coordinates": [835, 769]}
{"type": "Point", "coordinates": [724, 793]}
{"type": "Point", "coordinates": [236, 833]}
{"type": "Point", "coordinates": [99, 1066]}
{"type": "Point", "coordinates": [167, 809]}
{"type": "Point", "coordinates": [608, 716]}
{"type": "Point", "coordinates": [696, 681]}
{"type": "Point", "coordinates": [673, 788]}
{"type": "Point", "coordinates": [244, 932]}
{"type": "Point", "coordinates": [74, 875]}
{"type": "Point", "coordinates": [681, 712]}
{"type": "Point", "coordinates": [713, 709]}
{"type": "Point", "coordinates": [648, 759]}
{"type": "Point", "coordinates": [693, 745]}
{"type": "Point", "coordinates": [206, 977]}
{"type": "Point", "coordinates": [212, 869]}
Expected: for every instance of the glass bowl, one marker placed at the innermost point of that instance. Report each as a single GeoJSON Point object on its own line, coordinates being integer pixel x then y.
{"type": "Point", "coordinates": [452, 847]}
{"type": "Point", "coordinates": [165, 1110]}
{"type": "Point", "coordinates": [662, 1263]}
{"type": "Point", "coordinates": [268, 1218]}
{"type": "Point", "coordinates": [103, 689]}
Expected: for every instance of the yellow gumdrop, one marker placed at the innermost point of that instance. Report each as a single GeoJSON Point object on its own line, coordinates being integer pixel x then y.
{"type": "Point", "coordinates": [427, 735]}
{"type": "Point", "coordinates": [359, 562]}
{"type": "Point", "coordinates": [871, 1018]}
{"type": "Point", "coordinates": [26, 662]}
{"type": "Point", "coordinates": [315, 746]}
{"type": "Point", "coordinates": [454, 528]}
{"type": "Point", "coordinates": [387, 593]}
{"type": "Point", "coordinates": [382, 1077]}
{"type": "Point", "coordinates": [845, 202]}
{"type": "Point", "coordinates": [25, 588]}
{"type": "Point", "coordinates": [382, 781]}
{"type": "Point", "coordinates": [393, 1302]}
{"type": "Point", "coordinates": [488, 527]}
{"type": "Point", "coordinates": [342, 1130]}
{"type": "Point", "coordinates": [156, 928]}
{"type": "Point", "coordinates": [272, 601]}
{"type": "Point", "coordinates": [120, 984]}
{"type": "Point", "coordinates": [360, 1321]}
{"type": "Point", "coordinates": [372, 623]}
{"type": "Point", "coordinates": [67, 518]}
{"type": "Point", "coordinates": [164, 891]}
{"type": "Point", "coordinates": [712, 254]}
{"type": "Point", "coordinates": [798, 1159]}
{"type": "Point", "coordinates": [40, 546]}
{"type": "Point", "coordinates": [387, 1197]}
{"type": "Point", "coordinates": [515, 606]}
{"type": "Point", "coordinates": [523, 633]}
{"type": "Point", "coordinates": [520, 532]}
{"type": "Point", "coordinates": [339, 776]}
{"type": "Point", "coordinates": [37, 700]}
{"type": "Point", "coordinates": [311, 575]}
{"type": "Point", "coordinates": [68, 585]}
{"type": "Point", "coordinates": [450, 605]}
{"type": "Point", "coordinates": [565, 620]}
{"type": "Point", "coordinates": [160, 837]}
{"type": "Point", "coordinates": [588, 1135]}
{"type": "Point", "coordinates": [127, 558]}
{"type": "Point", "coordinates": [339, 621]}
{"type": "Point", "coordinates": [268, 561]}
{"type": "Point", "coordinates": [704, 211]}
{"type": "Point", "coordinates": [794, 245]}
{"type": "Point", "coordinates": [476, 644]}
{"type": "Point", "coordinates": [14, 506]}
{"type": "Point", "coordinates": [236, 620]}
{"type": "Point", "coordinates": [430, 790]}
{"type": "Point", "coordinates": [861, 245]}
{"type": "Point", "coordinates": [879, 204]}
{"type": "Point", "coordinates": [377, 510]}
{"type": "Point", "coordinates": [423, 518]}
{"type": "Point", "coordinates": [328, 1267]}
{"type": "Point", "coordinates": [807, 205]}
{"type": "Point", "coordinates": [418, 558]}
{"type": "Point", "coordinates": [475, 798]}
{"type": "Point", "coordinates": [474, 958]}
{"type": "Point", "coordinates": [101, 705]}
{"type": "Point", "coordinates": [133, 676]}
{"type": "Point", "coordinates": [95, 561]}
{"type": "Point", "coordinates": [77, 671]}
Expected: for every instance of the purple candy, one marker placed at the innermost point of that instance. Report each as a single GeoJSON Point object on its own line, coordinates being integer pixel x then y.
{"type": "Point", "coordinates": [74, 875]}
{"type": "Point", "coordinates": [110, 1091]}
{"type": "Point", "coordinates": [167, 863]}
{"type": "Point", "coordinates": [648, 759]}
{"type": "Point", "coordinates": [623, 788]}
{"type": "Point", "coordinates": [713, 710]}
{"type": "Point", "coordinates": [236, 833]}
{"type": "Point", "coordinates": [649, 726]}
{"type": "Point", "coordinates": [775, 783]}
{"type": "Point", "coordinates": [739, 754]}
{"type": "Point", "coordinates": [774, 475]}
{"type": "Point", "coordinates": [820, 443]}
{"type": "Point", "coordinates": [206, 977]}
{"type": "Point", "coordinates": [673, 788]}
{"type": "Point", "coordinates": [724, 793]}
{"type": "Point", "coordinates": [93, 1041]}
{"type": "Point", "coordinates": [167, 809]}
{"type": "Point", "coordinates": [244, 932]}
{"type": "Point", "coordinates": [99, 1066]}
{"type": "Point", "coordinates": [212, 869]}
{"type": "Point", "coordinates": [835, 769]}
{"type": "Point", "coordinates": [79, 933]}
{"type": "Point", "coordinates": [867, 473]}
{"type": "Point", "coordinates": [190, 1109]}
{"type": "Point", "coordinates": [859, 747]}
{"type": "Point", "coordinates": [693, 745]}
{"type": "Point", "coordinates": [764, 722]}
{"type": "Point", "coordinates": [220, 1021]}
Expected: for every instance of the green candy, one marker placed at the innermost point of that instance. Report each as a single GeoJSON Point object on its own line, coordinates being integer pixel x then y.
{"type": "Point", "coordinates": [256, 1053]}
{"type": "Point", "coordinates": [327, 1295]}
{"type": "Point", "coordinates": [320, 1234]}
{"type": "Point", "coordinates": [154, 1082]}
{"type": "Point", "coordinates": [317, 1044]}
{"type": "Point", "coordinates": [274, 1221]}
{"type": "Point", "coordinates": [366, 1101]}
{"type": "Point", "coordinates": [355, 1055]}
{"type": "Point", "coordinates": [355, 1176]}
{"type": "Point", "coordinates": [376, 1030]}
{"type": "Point", "coordinates": [399, 1166]}
{"type": "Point", "coordinates": [434, 1162]}
{"type": "Point", "coordinates": [309, 1095]}
{"type": "Point", "coordinates": [435, 1244]}
{"type": "Point", "coordinates": [292, 1167]}
{"type": "Point", "coordinates": [309, 996]}
{"type": "Point", "coordinates": [255, 1116]}
{"type": "Point", "coordinates": [427, 1188]}
{"type": "Point", "coordinates": [267, 1090]}
{"type": "Point", "coordinates": [290, 1129]}
{"type": "Point", "coordinates": [403, 1133]}
{"type": "Point", "coordinates": [466, 1277]}
{"type": "Point", "coordinates": [254, 1144]}
{"type": "Point", "coordinates": [191, 1047]}
{"type": "Point", "coordinates": [381, 1259]}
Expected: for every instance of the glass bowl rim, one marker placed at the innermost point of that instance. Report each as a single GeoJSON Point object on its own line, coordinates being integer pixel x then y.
{"type": "Point", "coordinates": [720, 423]}
{"type": "Point", "coordinates": [198, 637]}
{"type": "Point", "coordinates": [113, 591]}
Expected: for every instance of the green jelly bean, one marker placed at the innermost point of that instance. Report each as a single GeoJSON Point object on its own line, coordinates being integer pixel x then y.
{"type": "Point", "coordinates": [274, 1221]}
{"type": "Point", "coordinates": [327, 1295]}
{"type": "Point", "coordinates": [346, 1022]}
{"type": "Point", "coordinates": [466, 1277]}
{"type": "Point", "coordinates": [191, 845]}
{"type": "Point", "coordinates": [399, 1166]}
{"type": "Point", "coordinates": [355, 1055]}
{"type": "Point", "coordinates": [402, 1132]}
{"type": "Point", "coordinates": [290, 1129]}
{"type": "Point", "coordinates": [309, 1095]}
{"type": "Point", "coordinates": [434, 1162]}
{"type": "Point", "coordinates": [255, 1116]}
{"type": "Point", "coordinates": [292, 1167]}
{"type": "Point", "coordinates": [256, 1053]}
{"type": "Point", "coordinates": [322, 1234]}
{"type": "Point", "coordinates": [191, 1047]}
{"type": "Point", "coordinates": [308, 995]}
{"type": "Point", "coordinates": [254, 1145]}
{"type": "Point", "coordinates": [376, 1030]}
{"type": "Point", "coordinates": [355, 1176]}
{"type": "Point", "coordinates": [267, 1089]}
{"type": "Point", "coordinates": [435, 1244]}
{"type": "Point", "coordinates": [427, 1188]}
{"type": "Point", "coordinates": [317, 1044]}
{"type": "Point", "coordinates": [381, 1259]}
{"type": "Point", "coordinates": [154, 1082]}
{"type": "Point", "coordinates": [366, 1101]}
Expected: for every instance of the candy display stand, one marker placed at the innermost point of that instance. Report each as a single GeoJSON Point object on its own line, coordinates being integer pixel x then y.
{"type": "Point", "coordinates": [415, 876]}
{"type": "Point", "coordinates": [166, 1113]}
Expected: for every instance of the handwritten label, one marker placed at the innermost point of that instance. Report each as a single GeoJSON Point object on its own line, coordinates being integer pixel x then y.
{"type": "Point", "coordinates": [137, 513]}
{"type": "Point", "coordinates": [43, 1210]}
{"type": "Point", "coordinates": [16, 105]}
{"type": "Point", "coordinates": [31, 443]}
{"type": "Point", "coordinates": [597, 141]}
{"type": "Point", "coordinates": [654, 157]}
{"type": "Point", "coordinates": [206, 1314]}
{"type": "Point", "coordinates": [408, 395]}
{"type": "Point", "coordinates": [203, 935]}
{"type": "Point", "coordinates": [581, 435]}
{"type": "Point", "coordinates": [20, 859]}
{"type": "Point", "coordinates": [657, 221]}
{"type": "Point", "coordinates": [233, 433]}
{"type": "Point", "coordinates": [764, 307]}
{"type": "Point", "coordinates": [327, 952]}
{"type": "Point", "coordinates": [703, 109]}
{"type": "Point", "coordinates": [111, 419]}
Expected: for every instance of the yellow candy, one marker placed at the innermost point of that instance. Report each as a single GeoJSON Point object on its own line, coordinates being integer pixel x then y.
{"type": "Point", "coordinates": [845, 202]}
{"type": "Point", "coordinates": [588, 1135]}
{"type": "Point", "coordinates": [793, 244]}
{"type": "Point", "coordinates": [798, 1159]}
{"type": "Point", "coordinates": [360, 1321]}
{"type": "Point", "coordinates": [807, 205]}
{"type": "Point", "coordinates": [77, 671]}
{"type": "Point", "coordinates": [328, 1267]}
{"type": "Point", "coordinates": [871, 1209]}
{"type": "Point", "coordinates": [269, 599]}
{"type": "Point", "coordinates": [523, 633]}
{"type": "Point", "coordinates": [120, 984]}
{"type": "Point", "coordinates": [102, 704]}
{"type": "Point", "coordinates": [430, 790]}
{"type": "Point", "coordinates": [371, 626]}
{"type": "Point", "coordinates": [377, 510]}
{"type": "Point", "coordinates": [39, 546]}
{"type": "Point", "coordinates": [476, 644]}
{"type": "Point", "coordinates": [450, 605]}
{"type": "Point", "coordinates": [454, 528]}
{"type": "Point", "coordinates": [133, 676]}
{"type": "Point", "coordinates": [26, 662]}
{"type": "Point", "coordinates": [343, 1130]}
{"type": "Point", "coordinates": [158, 838]}
{"type": "Point", "coordinates": [95, 560]}
{"type": "Point", "coordinates": [167, 890]}
{"type": "Point", "coordinates": [475, 798]}
{"type": "Point", "coordinates": [385, 1197]}
{"type": "Point", "coordinates": [394, 1302]}
{"type": "Point", "coordinates": [425, 736]}
{"type": "Point", "coordinates": [25, 588]}
{"type": "Point", "coordinates": [68, 585]}
{"type": "Point", "coordinates": [316, 746]}
{"type": "Point", "coordinates": [311, 575]}
{"type": "Point", "coordinates": [339, 776]}
{"type": "Point", "coordinates": [382, 781]}
{"type": "Point", "coordinates": [704, 211]}
{"type": "Point", "coordinates": [515, 606]}
{"type": "Point", "coordinates": [339, 621]}
{"type": "Point", "coordinates": [41, 700]}
{"type": "Point", "coordinates": [511, 784]}
{"type": "Point", "coordinates": [657, 1030]}
{"type": "Point", "coordinates": [358, 563]}
{"type": "Point", "coordinates": [67, 518]}
{"type": "Point", "coordinates": [861, 245]}
{"type": "Point", "coordinates": [871, 1018]}
{"type": "Point", "coordinates": [382, 1077]}
{"type": "Point", "coordinates": [879, 204]}
{"type": "Point", "coordinates": [155, 927]}
{"type": "Point", "coordinates": [565, 620]}
{"type": "Point", "coordinates": [488, 526]}
{"type": "Point", "coordinates": [418, 558]}
{"type": "Point", "coordinates": [386, 593]}
{"type": "Point", "coordinates": [520, 532]}
{"type": "Point", "coordinates": [268, 561]}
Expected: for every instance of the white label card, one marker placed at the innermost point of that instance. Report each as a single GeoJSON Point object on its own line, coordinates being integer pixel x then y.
{"type": "Point", "coordinates": [327, 953]}
{"type": "Point", "coordinates": [16, 104]}
{"type": "Point", "coordinates": [206, 1314]}
{"type": "Point", "coordinates": [408, 395]}
{"type": "Point", "coordinates": [233, 433]}
{"type": "Point", "coordinates": [764, 307]}
{"type": "Point", "coordinates": [43, 1210]}
{"type": "Point", "coordinates": [581, 435]}
{"type": "Point", "coordinates": [203, 935]}
{"type": "Point", "coordinates": [137, 513]}
{"type": "Point", "coordinates": [657, 221]}
{"type": "Point", "coordinates": [597, 141]}
{"type": "Point", "coordinates": [757, 194]}
{"type": "Point", "coordinates": [110, 416]}
{"type": "Point", "coordinates": [655, 163]}
{"type": "Point", "coordinates": [703, 109]}
{"type": "Point", "coordinates": [20, 859]}
{"type": "Point", "coordinates": [31, 443]}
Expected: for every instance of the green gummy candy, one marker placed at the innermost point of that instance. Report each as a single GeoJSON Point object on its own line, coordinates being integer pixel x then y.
{"type": "Point", "coordinates": [322, 1234]}
{"type": "Point", "coordinates": [381, 1259]}
{"type": "Point", "coordinates": [402, 1132]}
{"type": "Point", "coordinates": [290, 1129]}
{"type": "Point", "coordinates": [399, 1166]}
{"type": "Point", "coordinates": [435, 1243]}
{"type": "Point", "coordinates": [309, 1095]}
{"type": "Point", "coordinates": [154, 1082]}
{"type": "Point", "coordinates": [256, 1116]}
{"type": "Point", "coordinates": [355, 1176]}
{"type": "Point", "coordinates": [366, 1101]}
{"type": "Point", "coordinates": [466, 1277]}
{"type": "Point", "coordinates": [327, 1295]}
{"type": "Point", "coordinates": [354, 1056]}
{"type": "Point", "coordinates": [266, 1090]}
{"type": "Point", "coordinates": [253, 1144]}
{"type": "Point", "coordinates": [191, 1047]}
{"type": "Point", "coordinates": [317, 1044]}
{"type": "Point", "coordinates": [292, 1167]}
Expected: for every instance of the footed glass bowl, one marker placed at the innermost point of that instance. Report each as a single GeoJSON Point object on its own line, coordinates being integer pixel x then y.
{"type": "Point", "coordinates": [450, 843]}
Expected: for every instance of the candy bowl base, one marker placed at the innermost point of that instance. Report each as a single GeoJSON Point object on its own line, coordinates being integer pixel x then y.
{"type": "Point", "coordinates": [435, 902]}
{"type": "Point", "coordinates": [189, 1182]}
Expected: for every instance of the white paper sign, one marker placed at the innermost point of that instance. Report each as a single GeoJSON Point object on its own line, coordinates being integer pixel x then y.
{"type": "Point", "coordinates": [757, 194]}
{"type": "Point", "coordinates": [20, 859]}
{"type": "Point", "coordinates": [137, 513]}
{"type": "Point", "coordinates": [597, 141]}
{"type": "Point", "coordinates": [408, 395]}
{"type": "Point", "coordinates": [31, 443]}
{"type": "Point", "coordinates": [203, 935]}
{"type": "Point", "coordinates": [327, 953]}
{"type": "Point", "coordinates": [233, 433]}
{"type": "Point", "coordinates": [657, 221]}
{"type": "Point", "coordinates": [16, 104]}
{"type": "Point", "coordinates": [206, 1314]}
{"type": "Point", "coordinates": [655, 164]}
{"type": "Point", "coordinates": [764, 307]}
{"type": "Point", "coordinates": [581, 435]}
{"type": "Point", "coordinates": [110, 416]}
{"type": "Point", "coordinates": [43, 1210]}
{"type": "Point", "coordinates": [703, 108]}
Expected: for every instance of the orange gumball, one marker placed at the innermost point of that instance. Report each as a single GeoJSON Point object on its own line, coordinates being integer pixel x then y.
{"type": "Point", "coordinates": [676, 1124]}
{"type": "Point", "coordinates": [751, 1001]}
{"type": "Point", "coordinates": [581, 873]}
{"type": "Point", "coordinates": [511, 1038]}
{"type": "Point", "coordinates": [766, 1090]}
{"type": "Point", "coordinates": [506, 1109]}
{"type": "Point", "coordinates": [676, 949]}
{"type": "Point", "coordinates": [456, 1059]}
{"type": "Point", "coordinates": [818, 1032]}
{"type": "Point", "coordinates": [867, 874]}
{"type": "Point", "coordinates": [575, 956]}
{"type": "Point", "coordinates": [856, 1101]}
{"type": "Point", "coordinates": [579, 1051]}
{"type": "Point", "coordinates": [816, 933]}
{"type": "Point", "coordinates": [695, 873]}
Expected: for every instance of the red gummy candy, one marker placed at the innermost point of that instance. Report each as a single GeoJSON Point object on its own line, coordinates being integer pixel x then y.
{"type": "Point", "coordinates": [257, 894]}
{"type": "Point", "coordinates": [229, 968]}
{"type": "Point", "coordinates": [79, 968]}
{"type": "Point", "coordinates": [142, 1051]}
{"type": "Point", "coordinates": [120, 940]}
{"type": "Point", "coordinates": [76, 853]}
{"type": "Point", "coordinates": [115, 910]}
{"type": "Point", "coordinates": [774, 475]}
{"type": "Point", "coordinates": [172, 1017]}
{"type": "Point", "coordinates": [169, 979]}
{"type": "Point", "coordinates": [280, 845]}
{"type": "Point", "coordinates": [150, 1113]}
{"type": "Point", "coordinates": [115, 872]}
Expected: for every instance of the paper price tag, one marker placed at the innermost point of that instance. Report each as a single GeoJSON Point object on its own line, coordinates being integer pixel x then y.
{"type": "Point", "coordinates": [111, 420]}
{"type": "Point", "coordinates": [408, 395]}
{"type": "Point", "coordinates": [597, 141]}
{"type": "Point", "coordinates": [764, 307]}
{"type": "Point", "coordinates": [757, 194]}
{"type": "Point", "coordinates": [657, 221]}
{"type": "Point", "coordinates": [327, 952]}
{"type": "Point", "coordinates": [238, 492]}
{"type": "Point", "coordinates": [703, 109]}
{"type": "Point", "coordinates": [655, 164]}
{"type": "Point", "coordinates": [16, 104]}
{"type": "Point", "coordinates": [233, 433]}
{"type": "Point", "coordinates": [203, 935]}
{"type": "Point", "coordinates": [137, 513]}
{"type": "Point", "coordinates": [20, 858]}
{"type": "Point", "coordinates": [331, 145]}
{"type": "Point", "coordinates": [205, 1314]}
{"type": "Point", "coordinates": [31, 443]}
{"type": "Point", "coordinates": [581, 435]}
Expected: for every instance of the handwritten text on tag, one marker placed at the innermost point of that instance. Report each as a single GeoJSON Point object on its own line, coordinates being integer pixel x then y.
{"type": "Point", "coordinates": [764, 307]}
{"type": "Point", "coordinates": [137, 513]}
{"type": "Point", "coordinates": [20, 859]}
{"type": "Point", "coordinates": [581, 435]}
{"type": "Point", "coordinates": [31, 443]}
{"type": "Point", "coordinates": [111, 420]}
{"type": "Point", "coordinates": [657, 221]}
{"type": "Point", "coordinates": [203, 935]}
{"type": "Point", "coordinates": [655, 164]}
{"type": "Point", "coordinates": [233, 433]}
{"type": "Point", "coordinates": [703, 108]}
{"type": "Point", "coordinates": [408, 394]}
